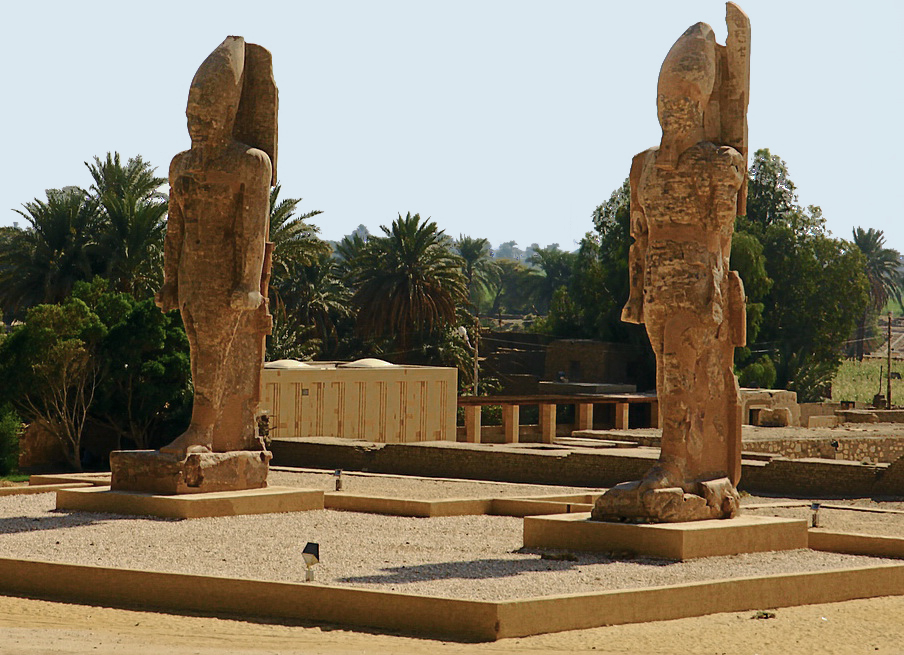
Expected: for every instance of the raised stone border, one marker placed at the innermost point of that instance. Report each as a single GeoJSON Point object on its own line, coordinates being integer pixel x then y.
{"type": "Point", "coordinates": [191, 506]}
{"type": "Point", "coordinates": [441, 617]}
{"type": "Point", "coordinates": [676, 541]}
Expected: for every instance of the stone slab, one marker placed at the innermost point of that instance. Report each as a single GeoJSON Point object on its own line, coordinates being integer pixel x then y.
{"type": "Point", "coordinates": [153, 472]}
{"type": "Point", "coordinates": [585, 387]}
{"type": "Point", "coordinates": [267, 500]}
{"type": "Point", "coordinates": [677, 541]}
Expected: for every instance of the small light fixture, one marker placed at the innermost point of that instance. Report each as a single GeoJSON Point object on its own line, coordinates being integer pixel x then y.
{"type": "Point", "coordinates": [338, 475]}
{"type": "Point", "coordinates": [311, 556]}
{"type": "Point", "coordinates": [814, 520]}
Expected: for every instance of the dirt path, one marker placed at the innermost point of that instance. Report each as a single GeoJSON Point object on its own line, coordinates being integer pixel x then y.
{"type": "Point", "coordinates": [32, 627]}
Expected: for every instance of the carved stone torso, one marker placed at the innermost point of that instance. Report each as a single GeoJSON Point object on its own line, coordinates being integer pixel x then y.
{"type": "Point", "coordinates": [211, 193]}
{"type": "Point", "coordinates": [690, 213]}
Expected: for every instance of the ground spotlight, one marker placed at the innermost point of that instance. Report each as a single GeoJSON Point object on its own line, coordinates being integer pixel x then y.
{"type": "Point", "coordinates": [311, 555]}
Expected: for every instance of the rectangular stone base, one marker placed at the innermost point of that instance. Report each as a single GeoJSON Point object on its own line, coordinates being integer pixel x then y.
{"type": "Point", "coordinates": [191, 506]}
{"type": "Point", "coordinates": [153, 472]}
{"type": "Point", "coordinates": [678, 541]}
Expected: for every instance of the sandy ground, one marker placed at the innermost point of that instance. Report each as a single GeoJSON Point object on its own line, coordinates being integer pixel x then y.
{"type": "Point", "coordinates": [31, 627]}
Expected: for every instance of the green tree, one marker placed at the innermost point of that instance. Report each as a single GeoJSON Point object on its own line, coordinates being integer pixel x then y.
{"type": "Point", "coordinates": [144, 368]}
{"type": "Point", "coordinates": [295, 241]}
{"type": "Point", "coordinates": [10, 429]}
{"type": "Point", "coordinates": [819, 289]}
{"type": "Point", "coordinates": [747, 258]}
{"type": "Point", "coordinates": [132, 223]}
{"type": "Point", "coordinates": [40, 264]}
{"type": "Point", "coordinates": [408, 283]}
{"type": "Point", "coordinates": [48, 370]}
{"type": "Point", "coordinates": [480, 271]}
{"type": "Point", "coordinates": [557, 267]}
{"type": "Point", "coordinates": [883, 270]}
{"type": "Point", "coordinates": [515, 289]}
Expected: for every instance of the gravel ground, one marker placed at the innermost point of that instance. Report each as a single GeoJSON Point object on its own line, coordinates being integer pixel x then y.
{"type": "Point", "coordinates": [369, 484]}
{"type": "Point", "coordinates": [476, 557]}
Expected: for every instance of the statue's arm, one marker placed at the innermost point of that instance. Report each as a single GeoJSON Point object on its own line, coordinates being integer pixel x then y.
{"type": "Point", "coordinates": [167, 298]}
{"type": "Point", "coordinates": [252, 226]}
{"type": "Point", "coordinates": [633, 310]}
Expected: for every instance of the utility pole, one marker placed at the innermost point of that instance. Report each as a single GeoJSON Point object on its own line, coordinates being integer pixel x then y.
{"type": "Point", "coordinates": [888, 395]}
{"type": "Point", "coordinates": [476, 340]}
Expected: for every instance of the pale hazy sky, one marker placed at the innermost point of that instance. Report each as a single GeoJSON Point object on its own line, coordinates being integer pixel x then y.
{"type": "Point", "coordinates": [499, 119]}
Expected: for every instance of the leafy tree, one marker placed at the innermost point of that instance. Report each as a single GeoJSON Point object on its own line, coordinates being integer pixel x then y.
{"type": "Point", "coordinates": [133, 223]}
{"type": "Point", "coordinates": [480, 271]}
{"type": "Point", "coordinates": [10, 428]}
{"type": "Point", "coordinates": [557, 268]}
{"type": "Point", "coordinates": [509, 250]}
{"type": "Point", "coordinates": [40, 264]}
{"type": "Point", "coordinates": [819, 289]}
{"type": "Point", "coordinates": [48, 371]}
{"type": "Point", "coordinates": [747, 258]}
{"type": "Point", "coordinates": [144, 388]}
{"type": "Point", "coordinates": [408, 283]}
{"type": "Point", "coordinates": [883, 270]}
{"type": "Point", "coordinates": [515, 289]}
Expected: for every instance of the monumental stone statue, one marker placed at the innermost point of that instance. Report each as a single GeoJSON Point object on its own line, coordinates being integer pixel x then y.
{"type": "Point", "coordinates": [685, 196]}
{"type": "Point", "coordinates": [216, 272]}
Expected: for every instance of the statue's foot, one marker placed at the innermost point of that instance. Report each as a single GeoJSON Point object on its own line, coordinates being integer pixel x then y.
{"type": "Point", "coordinates": [658, 498]}
{"type": "Point", "coordinates": [186, 444]}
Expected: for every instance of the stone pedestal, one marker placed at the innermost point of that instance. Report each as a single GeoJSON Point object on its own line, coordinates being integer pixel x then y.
{"type": "Point", "coordinates": [153, 472]}
{"type": "Point", "coordinates": [678, 541]}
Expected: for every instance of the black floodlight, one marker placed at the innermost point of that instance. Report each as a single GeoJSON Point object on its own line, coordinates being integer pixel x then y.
{"type": "Point", "coordinates": [311, 555]}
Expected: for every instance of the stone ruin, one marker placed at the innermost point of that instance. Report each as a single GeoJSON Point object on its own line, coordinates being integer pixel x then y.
{"type": "Point", "coordinates": [685, 196]}
{"type": "Point", "coordinates": [217, 269]}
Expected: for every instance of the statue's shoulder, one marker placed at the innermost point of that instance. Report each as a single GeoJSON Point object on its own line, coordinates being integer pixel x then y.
{"type": "Point", "coordinates": [177, 165]}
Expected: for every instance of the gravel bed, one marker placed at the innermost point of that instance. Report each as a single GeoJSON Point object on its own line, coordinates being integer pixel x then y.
{"type": "Point", "coordinates": [368, 484]}
{"type": "Point", "coordinates": [474, 557]}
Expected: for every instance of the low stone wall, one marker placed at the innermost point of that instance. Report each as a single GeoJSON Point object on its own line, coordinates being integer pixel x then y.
{"type": "Point", "coordinates": [867, 448]}
{"type": "Point", "coordinates": [545, 464]}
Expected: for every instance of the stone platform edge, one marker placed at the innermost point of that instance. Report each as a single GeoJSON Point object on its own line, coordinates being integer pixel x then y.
{"type": "Point", "coordinates": [266, 500]}
{"type": "Point", "coordinates": [676, 541]}
{"type": "Point", "coordinates": [432, 616]}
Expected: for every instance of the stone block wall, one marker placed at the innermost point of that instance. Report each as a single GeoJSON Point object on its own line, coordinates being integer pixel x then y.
{"type": "Point", "coordinates": [867, 448]}
{"type": "Point", "coordinates": [558, 466]}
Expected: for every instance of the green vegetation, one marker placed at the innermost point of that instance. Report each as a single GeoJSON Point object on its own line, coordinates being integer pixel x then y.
{"type": "Point", "coordinates": [861, 380]}
{"type": "Point", "coordinates": [10, 427]}
{"type": "Point", "coordinates": [90, 352]}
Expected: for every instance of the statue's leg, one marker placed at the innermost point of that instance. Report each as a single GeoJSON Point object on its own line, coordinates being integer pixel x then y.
{"type": "Point", "coordinates": [205, 365]}
{"type": "Point", "coordinates": [235, 428]}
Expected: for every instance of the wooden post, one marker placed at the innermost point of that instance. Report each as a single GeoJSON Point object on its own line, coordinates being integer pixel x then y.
{"type": "Point", "coordinates": [622, 411]}
{"type": "Point", "coordinates": [511, 417]}
{"type": "Point", "coordinates": [888, 395]}
{"type": "Point", "coordinates": [472, 423]}
{"type": "Point", "coordinates": [548, 422]}
{"type": "Point", "coordinates": [654, 414]}
{"type": "Point", "coordinates": [585, 416]}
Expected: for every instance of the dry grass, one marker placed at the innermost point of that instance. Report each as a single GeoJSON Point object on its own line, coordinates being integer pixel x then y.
{"type": "Point", "coordinates": [860, 381]}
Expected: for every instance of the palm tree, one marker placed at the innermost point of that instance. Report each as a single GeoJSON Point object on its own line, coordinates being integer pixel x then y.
{"type": "Point", "coordinates": [408, 282]}
{"type": "Point", "coordinates": [883, 270]}
{"type": "Point", "coordinates": [40, 263]}
{"type": "Point", "coordinates": [133, 222]}
{"type": "Point", "coordinates": [295, 242]}
{"type": "Point", "coordinates": [557, 267]}
{"type": "Point", "coordinates": [315, 297]}
{"type": "Point", "coordinates": [480, 271]}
